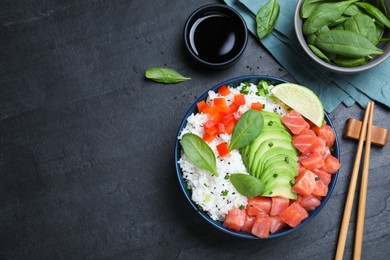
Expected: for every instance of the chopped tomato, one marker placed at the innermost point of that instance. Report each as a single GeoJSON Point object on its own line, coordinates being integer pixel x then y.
{"type": "Point", "coordinates": [235, 219]}
{"type": "Point", "coordinates": [313, 161]}
{"type": "Point", "coordinates": [278, 205]}
{"type": "Point", "coordinates": [276, 224]}
{"type": "Point", "coordinates": [320, 189]}
{"type": "Point", "coordinates": [257, 106]}
{"type": "Point", "coordinates": [294, 214]}
{"type": "Point", "coordinates": [217, 118]}
{"type": "Point", "coordinates": [331, 164]}
{"type": "Point", "coordinates": [223, 149]}
{"type": "Point", "coordinates": [258, 204]}
{"type": "Point", "coordinates": [305, 183]}
{"type": "Point", "coordinates": [309, 202]}
{"type": "Point", "coordinates": [249, 220]}
{"type": "Point", "coordinates": [239, 99]}
{"type": "Point", "coordinates": [224, 90]}
{"type": "Point", "coordinates": [261, 226]}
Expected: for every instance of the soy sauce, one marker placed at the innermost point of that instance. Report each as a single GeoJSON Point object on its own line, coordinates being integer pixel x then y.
{"type": "Point", "coordinates": [214, 38]}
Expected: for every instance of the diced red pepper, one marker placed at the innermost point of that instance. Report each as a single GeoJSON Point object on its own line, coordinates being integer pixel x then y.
{"type": "Point", "coordinates": [231, 109]}
{"type": "Point", "coordinates": [201, 105]}
{"type": "Point", "coordinates": [230, 127]}
{"type": "Point", "coordinates": [209, 124]}
{"type": "Point", "coordinates": [221, 103]}
{"type": "Point", "coordinates": [227, 119]}
{"type": "Point", "coordinates": [239, 99]}
{"type": "Point", "coordinates": [257, 106]}
{"type": "Point", "coordinates": [208, 138]}
{"type": "Point", "coordinates": [223, 149]}
{"type": "Point", "coordinates": [211, 131]}
{"type": "Point", "coordinates": [221, 128]}
{"type": "Point", "coordinates": [224, 90]}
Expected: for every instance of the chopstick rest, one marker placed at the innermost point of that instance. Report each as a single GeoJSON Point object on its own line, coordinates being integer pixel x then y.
{"type": "Point", "coordinates": [379, 135]}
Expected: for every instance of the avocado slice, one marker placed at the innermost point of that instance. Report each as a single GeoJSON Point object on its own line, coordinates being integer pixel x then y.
{"type": "Point", "coordinates": [278, 169]}
{"type": "Point", "coordinates": [280, 190]}
{"type": "Point", "coordinates": [267, 145]}
{"type": "Point", "coordinates": [265, 135]}
{"type": "Point", "coordinates": [277, 154]}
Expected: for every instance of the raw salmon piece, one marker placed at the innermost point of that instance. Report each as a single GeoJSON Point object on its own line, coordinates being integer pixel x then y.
{"type": "Point", "coordinates": [320, 189]}
{"type": "Point", "coordinates": [295, 122]}
{"type": "Point", "coordinates": [304, 142]}
{"type": "Point", "coordinates": [294, 214]}
{"type": "Point", "coordinates": [235, 219]}
{"type": "Point", "coordinates": [278, 205]}
{"type": "Point", "coordinates": [261, 226]}
{"type": "Point", "coordinates": [313, 161]}
{"type": "Point", "coordinates": [305, 183]}
{"type": "Point", "coordinates": [331, 164]}
{"type": "Point", "coordinates": [325, 132]}
{"type": "Point", "coordinates": [324, 176]}
{"type": "Point", "coordinates": [309, 202]}
{"type": "Point", "coordinates": [276, 224]}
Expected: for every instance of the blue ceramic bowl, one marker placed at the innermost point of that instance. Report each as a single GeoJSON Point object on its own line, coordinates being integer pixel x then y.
{"type": "Point", "coordinates": [217, 224]}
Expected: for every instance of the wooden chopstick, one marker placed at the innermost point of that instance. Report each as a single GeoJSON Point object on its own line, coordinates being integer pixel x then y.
{"type": "Point", "coordinates": [352, 187]}
{"type": "Point", "coordinates": [363, 190]}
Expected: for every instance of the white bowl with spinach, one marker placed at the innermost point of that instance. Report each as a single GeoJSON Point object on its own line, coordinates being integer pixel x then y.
{"type": "Point", "coordinates": [344, 36]}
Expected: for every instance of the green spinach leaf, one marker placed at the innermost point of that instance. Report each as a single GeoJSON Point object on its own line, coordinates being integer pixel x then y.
{"type": "Point", "coordinates": [267, 17]}
{"type": "Point", "coordinates": [248, 127]}
{"type": "Point", "coordinates": [199, 153]}
{"type": "Point", "coordinates": [247, 185]}
{"type": "Point", "coordinates": [363, 25]}
{"type": "Point", "coordinates": [164, 75]}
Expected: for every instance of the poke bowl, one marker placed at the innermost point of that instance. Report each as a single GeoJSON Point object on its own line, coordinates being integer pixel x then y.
{"type": "Point", "coordinates": [219, 194]}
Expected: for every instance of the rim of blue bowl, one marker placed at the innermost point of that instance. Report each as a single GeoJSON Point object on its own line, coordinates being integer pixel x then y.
{"type": "Point", "coordinates": [218, 224]}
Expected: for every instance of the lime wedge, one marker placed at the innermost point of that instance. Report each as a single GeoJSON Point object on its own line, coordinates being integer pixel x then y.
{"type": "Point", "coordinates": [301, 99]}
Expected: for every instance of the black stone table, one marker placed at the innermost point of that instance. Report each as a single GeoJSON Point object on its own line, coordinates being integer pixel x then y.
{"type": "Point", "coordinates": [86, 143]}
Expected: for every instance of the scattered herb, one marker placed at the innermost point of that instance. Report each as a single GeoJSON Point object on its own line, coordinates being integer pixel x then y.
{"type": "Point", "coordinates": [248, 127]}
{"type": "Point", "coordinates": [165, 75]}
{"type": "Point", "coordinates": [317, 178]}
{"type": "Point", "coordinates": [275, 175]}
{"type": "Point", "coordinates": [267, 17]}
{"type": "Point", "coordinates": [270, 144]}
{"type": "Point", "coordinates": [270, 123]}
{"type": "Point", "coordinates": [226, 177]}
{"type": "Point", "coordinates": [247, 185]}
{"type": "Point", "coordinates": [286, 159]}
{"type": "Point", "coordinates": [224, 193]}
{"type": "Point", "coordinates": [199, 153]}
{"type": "Point", "coordinates": [242, 207]}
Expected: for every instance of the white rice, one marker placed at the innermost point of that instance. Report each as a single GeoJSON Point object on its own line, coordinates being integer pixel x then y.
{"type": "Point", "coordinates": [216, 195]}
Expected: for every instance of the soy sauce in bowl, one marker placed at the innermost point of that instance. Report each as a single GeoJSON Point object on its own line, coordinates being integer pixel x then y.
{"type": "Point", "coordinates": [215, 36]}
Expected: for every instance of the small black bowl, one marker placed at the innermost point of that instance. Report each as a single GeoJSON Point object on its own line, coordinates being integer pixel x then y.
{"type": "Point", "coordinates": [215, 35]}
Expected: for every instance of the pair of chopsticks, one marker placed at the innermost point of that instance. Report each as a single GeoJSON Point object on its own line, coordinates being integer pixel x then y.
{"type": "Point", "coordinates": [365, 134]}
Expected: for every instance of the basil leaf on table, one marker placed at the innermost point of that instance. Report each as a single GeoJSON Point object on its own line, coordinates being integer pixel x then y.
{"type": "Point", "coordinates": [248, 127]}
{"type": "Point", "coordinates": [199, 153]}
{"type": "Point", "coordinates": [267, 17]}
{"type": "Point", "coordinates": [165, 75]}
{"type": "Point", "coordinates": [247, 185]}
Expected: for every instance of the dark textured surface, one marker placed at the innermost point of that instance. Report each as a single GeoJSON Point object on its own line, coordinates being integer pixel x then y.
{"type": "Point", "coordinates": [86, 143]}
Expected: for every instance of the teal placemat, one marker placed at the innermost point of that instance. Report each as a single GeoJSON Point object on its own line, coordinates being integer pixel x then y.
{"type": "Point", "coordinates": [331, 87]}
